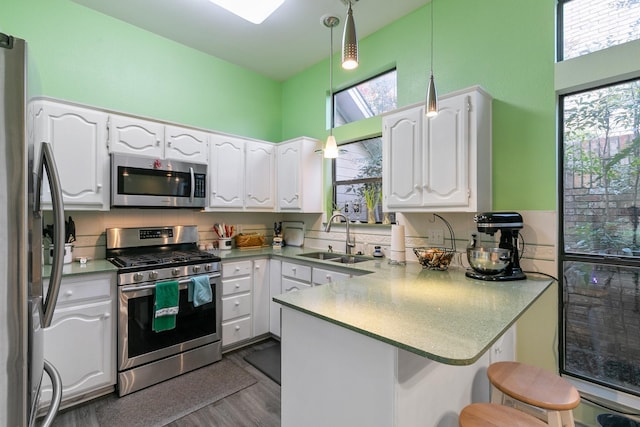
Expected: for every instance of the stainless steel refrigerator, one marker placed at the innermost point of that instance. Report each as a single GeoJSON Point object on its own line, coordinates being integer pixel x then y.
{"type": "Point", "coordinates": [24, 310]}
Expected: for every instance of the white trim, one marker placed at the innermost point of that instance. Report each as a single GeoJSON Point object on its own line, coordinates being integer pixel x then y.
{"type": "Point", "coordinates": [614, 399]}
{"type": "Point", "coordinates": [606, 66]}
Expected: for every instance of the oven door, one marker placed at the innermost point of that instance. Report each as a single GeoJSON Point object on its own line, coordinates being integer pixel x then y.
{"type": "Point", "coordinates": [138, 344]}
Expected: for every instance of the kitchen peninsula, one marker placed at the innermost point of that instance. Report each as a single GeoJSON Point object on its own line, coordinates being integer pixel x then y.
{"type": "Point", "coordinates": [401, 347]}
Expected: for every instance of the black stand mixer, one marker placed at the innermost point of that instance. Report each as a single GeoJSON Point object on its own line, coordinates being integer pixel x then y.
{"type": "Point", "coordinates": [501, 263]}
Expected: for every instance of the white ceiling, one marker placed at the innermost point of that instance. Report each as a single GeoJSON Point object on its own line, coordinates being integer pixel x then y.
{"type": "Point", "coordinates": [287, 42]}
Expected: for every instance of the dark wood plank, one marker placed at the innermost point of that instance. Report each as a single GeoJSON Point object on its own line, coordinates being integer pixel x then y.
{"type": "Point", "coordinates": [257, 405]}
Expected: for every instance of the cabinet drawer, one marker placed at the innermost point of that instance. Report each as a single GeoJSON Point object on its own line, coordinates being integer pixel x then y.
{"type": "Point", "coordinates": [235, 269]}
{"type": "Point", "coordinates": [74, 289]}
{"type": "Point", "coordinates": [236, 306]}
{"type": "Point", "coordinates": [234, 286]}
{"type": "Point", "coordinates": [296, 271]}
{"type": "Point", "coordinates": [322, 276]}
{"type": "Point", "coordinates": [236, 330]}
{"type": "Point", "coordinates": [289, 285]}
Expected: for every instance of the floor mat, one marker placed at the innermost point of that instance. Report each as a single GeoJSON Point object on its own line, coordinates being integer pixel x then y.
{"type": "Point", "coordinates": [267, 361]}
{"type": "Point", "coordinates": [170, 400]}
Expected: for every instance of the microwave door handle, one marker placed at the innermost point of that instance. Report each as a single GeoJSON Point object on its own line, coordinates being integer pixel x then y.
{"type": "Point", "coordinates": [193, 185]}
{"type": "Point", "coordinates": [47, 161]}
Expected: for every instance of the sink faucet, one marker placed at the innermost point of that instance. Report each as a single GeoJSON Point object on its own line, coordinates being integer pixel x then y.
{"type": "Point", "coordinates": [349, 244]}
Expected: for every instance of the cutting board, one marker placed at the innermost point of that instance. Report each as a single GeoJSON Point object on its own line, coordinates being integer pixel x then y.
{"type": "Point", "coordinates": [293, 234]}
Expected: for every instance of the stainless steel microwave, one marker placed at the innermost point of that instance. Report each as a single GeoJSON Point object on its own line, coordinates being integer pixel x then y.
{"type": "Point", "coordinates": [149, 182]}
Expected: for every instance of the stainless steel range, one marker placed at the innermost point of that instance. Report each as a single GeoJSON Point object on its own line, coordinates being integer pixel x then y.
{"type": "Point", "coordinates": [145, 257]}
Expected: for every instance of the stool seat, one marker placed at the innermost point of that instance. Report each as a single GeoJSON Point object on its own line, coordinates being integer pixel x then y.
{"type": "Point", "coordinates": [533, 386]}
{"type": "Point", "coordinates": [493, 415]}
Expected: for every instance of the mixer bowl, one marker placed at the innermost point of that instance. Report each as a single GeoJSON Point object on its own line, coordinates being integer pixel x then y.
{"type": "Point", "coordinates": [488, 260]}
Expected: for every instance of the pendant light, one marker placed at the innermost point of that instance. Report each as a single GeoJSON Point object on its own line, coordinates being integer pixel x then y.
{"type": "Point", "coordinates": [331, 147]}
{"type": "Point", "coordinates": [431, 104]}
{"type": "Point", "coordinates": [349, 42]}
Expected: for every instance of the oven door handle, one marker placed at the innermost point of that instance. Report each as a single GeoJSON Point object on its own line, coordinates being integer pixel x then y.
{"type": "Point", "coordinates": [182, 285]}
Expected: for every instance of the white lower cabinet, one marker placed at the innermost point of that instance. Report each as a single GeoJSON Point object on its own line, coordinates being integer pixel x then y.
{"type": "Point", "coordinates": [81, 341]}
{"type": "Point", "coordinates": [245, 300]}
{"type": "Point", "coordinates": [275, 288]}
{"type": "Point", "coordinates": [322, 276]}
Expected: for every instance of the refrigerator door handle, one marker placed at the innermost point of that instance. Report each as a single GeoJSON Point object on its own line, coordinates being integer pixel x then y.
{"type": "Point", "coordinates": [56, 398]}
{"type": "Point", "coordinates": [47, 161]}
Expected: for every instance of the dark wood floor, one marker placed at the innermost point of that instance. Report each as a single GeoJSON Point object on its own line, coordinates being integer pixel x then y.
{"type": "Point", "coordinates": [256, 405]}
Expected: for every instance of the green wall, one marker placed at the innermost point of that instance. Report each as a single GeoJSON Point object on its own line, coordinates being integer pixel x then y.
{"type": "Point", "coordinates": [83, 56]}
{"type": "Point", "coordinates": [505, 46]}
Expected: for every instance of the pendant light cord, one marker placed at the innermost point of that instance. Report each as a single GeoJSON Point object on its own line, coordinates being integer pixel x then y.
{"type": "Point", "coordinates": [432, 1]}
{"type": "Point", "coordinates": [331, 82]}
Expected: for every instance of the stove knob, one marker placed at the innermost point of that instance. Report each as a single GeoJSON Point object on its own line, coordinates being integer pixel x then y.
{"type": "Point", "coordinates": [207, 267]}
{"type": "Point", "coordinates": [196, 268]}
{"type": "Point", "coordinates": [153, 275]}
{"type": "Point", "coordinates": [175, 271]}
{"type": "Point", "coordinates": [137, 277]}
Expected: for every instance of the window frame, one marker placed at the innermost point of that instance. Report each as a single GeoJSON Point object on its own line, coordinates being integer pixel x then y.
{"type": "Point", "coordinates": [574, 76]}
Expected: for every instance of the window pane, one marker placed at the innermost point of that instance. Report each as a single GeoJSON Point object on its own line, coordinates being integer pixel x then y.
{"type": "Point", "coordinates": [358, 179]}
{"type": "Point", "coordinates": [367, 99]}
{"type": "Point", "coordinates": [602, 171]}
{"type": "Point", "coordinates": [592, 25]}
{"type": "Point", "coordinates": [601, 324]}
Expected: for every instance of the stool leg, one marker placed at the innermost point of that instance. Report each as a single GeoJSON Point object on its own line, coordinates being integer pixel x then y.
{"type": "Point", "coordinates": [554, 419]}
{"type": "Point", "coordinates": [497, 396]}
{"type": "Point", "coordinates": [567, 419]}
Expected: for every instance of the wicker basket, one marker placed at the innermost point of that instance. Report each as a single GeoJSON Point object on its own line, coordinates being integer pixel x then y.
{"type": "Point", "coordinates": [249, 240]}
{"type": "Point", "coordinates": [437, 258]}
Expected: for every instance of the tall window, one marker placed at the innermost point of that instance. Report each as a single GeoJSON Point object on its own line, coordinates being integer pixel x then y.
{"type": "Point", "coordinates": [357, 183]}
{"type": "Point", "coordinates": [369, 98]}
{"type": "Point", "coordinates": [600, 205]}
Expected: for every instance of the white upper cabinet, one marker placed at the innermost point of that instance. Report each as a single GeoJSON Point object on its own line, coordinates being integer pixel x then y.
{"type": "Point", "coordinates": [136, 136]}
{"type": "Point", "coordinates": [78, 136]}
{"type": "Point", "coordinates": [260, 170]}
{"type": "Point", "coordinates": [226, 172]}
{"type": "Point", "coordinates": [299, 175]}
{"type": "Point", "coordinates": [241, 174]}
{"type": "Point", "coordinates": [141, 137]}
{"type": "Point", "coordinates": [441, 163]}
{"type": "Point", "coordinates": [186, 144]}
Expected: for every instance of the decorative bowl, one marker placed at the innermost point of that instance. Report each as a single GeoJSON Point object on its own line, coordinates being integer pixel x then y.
{"type": "Point", "coordinates": [434, 258]}
{"type": "Point", "coordinates": [488, 260]}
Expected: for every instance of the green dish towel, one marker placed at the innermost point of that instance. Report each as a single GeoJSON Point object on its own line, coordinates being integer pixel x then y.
{"type": "Point", "coordinates": [167, 298]}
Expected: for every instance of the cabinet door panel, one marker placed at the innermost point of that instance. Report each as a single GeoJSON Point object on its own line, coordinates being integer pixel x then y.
{"type": "Point", "coordinates": [261, 300]}
{"type": "Point", "coordinates": [78, 138]}
{"type": "Point", "coordinates": [87, 331]}
{"type": "Point", "coordinates": [289, 177]}
{"type": "Point", "coordinates": [136, 136]}
{"type": "Point", "coordinates": [226, 172]}
{"type": "Point", "coordinates": [260, 176]}
{"type": "Point", "coordinates": [402, 151]}
{"type": "Point", "coordinates": [446, 160]}
{"type": "Point", "coordinates": [186, 144]}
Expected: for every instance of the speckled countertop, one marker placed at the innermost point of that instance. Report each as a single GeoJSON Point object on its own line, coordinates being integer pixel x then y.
{"type": "Point", "coordinates": [442, 315]}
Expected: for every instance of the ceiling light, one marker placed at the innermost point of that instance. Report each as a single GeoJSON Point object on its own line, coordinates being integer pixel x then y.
{"type": "Point", "coordinates": [349, 42]}
{"type": "Point", "coordinates": [254, 11]}
{"type": "Point", "coordinates": [331, 147]}
{"type": "Point", "coordinates": [431, 104]}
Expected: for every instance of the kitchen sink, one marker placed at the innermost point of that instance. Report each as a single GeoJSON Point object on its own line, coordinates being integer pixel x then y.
{"type": "Point", "coordinates": [321, 255]}
{"type": "Point", "coordinates": [350, 259]}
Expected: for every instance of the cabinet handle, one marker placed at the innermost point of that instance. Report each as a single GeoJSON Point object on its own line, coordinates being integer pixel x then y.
{"type": "Point", "coordinates": [237, 328]}
{"type": "Point", "coordinates": [328, 277]}
{"type": "Point", "coordinates": [68, 293]}
{"type": "Point", "coordinates": [169, 143]}
{"type": "Point", "coordinates": [158, 142]}
{"type": "Point", "coordinates": [107, 315]}
{"type": "Point", "coordinates": [258, 267]}
{"type": "Point", "coordinates": [237, 268]}
{"type": "Point", "coordinates": [293, 269]}
{"type": "Point", "coordinates": [237, 285]}
{"type": "Point", "coordinates": [237, 303]}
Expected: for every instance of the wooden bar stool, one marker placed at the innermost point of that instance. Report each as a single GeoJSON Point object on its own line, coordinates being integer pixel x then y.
{"type": "Point", "coordinates": [536, 387]}
{"type": "Point", "coordinates": [493, 415]}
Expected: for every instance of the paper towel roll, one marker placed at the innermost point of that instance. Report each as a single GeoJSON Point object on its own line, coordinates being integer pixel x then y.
{"type": "Point", "coordinates": [397, 244]}
{"type": "Point", "coordinates": [397, 238]}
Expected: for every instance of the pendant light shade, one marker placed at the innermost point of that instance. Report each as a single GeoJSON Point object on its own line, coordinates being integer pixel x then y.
{"type": "Point", "coordinates": [331, 147]}
{"type": "Point", "coordinates": [431, 103]}
{"type": "Point", "coordinates": [349, 42]}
